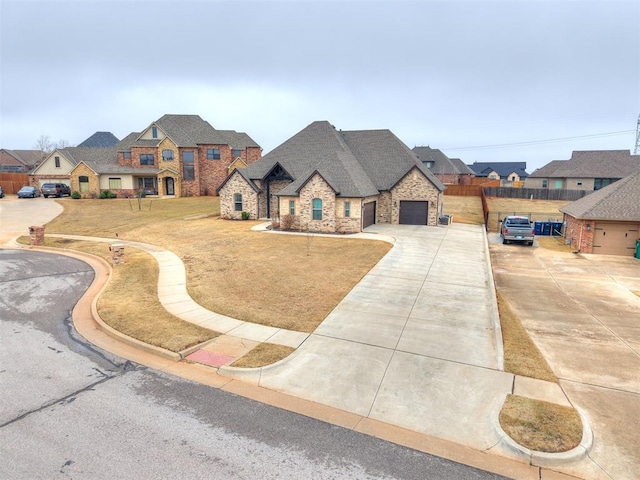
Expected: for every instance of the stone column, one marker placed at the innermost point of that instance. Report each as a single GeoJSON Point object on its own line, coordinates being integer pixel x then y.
{"type": "Point", "coordinates": [117, 253]}
{"type": "Point", "coordinates": [36, 234]}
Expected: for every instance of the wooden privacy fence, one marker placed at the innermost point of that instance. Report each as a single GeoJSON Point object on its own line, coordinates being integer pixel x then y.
{"type": "Point", "coordinates": [12, 182]}
{"type": "Point", "coordinates": [535, 193]}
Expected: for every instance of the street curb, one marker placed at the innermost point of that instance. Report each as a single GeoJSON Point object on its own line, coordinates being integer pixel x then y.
{"type": "Point", "coordinates": [543, 459]}
{"type": "Point", "coordinates": [497, 326]}
{"type": "Point", "coordinates": [92, 260]}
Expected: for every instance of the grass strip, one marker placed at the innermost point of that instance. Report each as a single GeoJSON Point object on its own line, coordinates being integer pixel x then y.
{"type": "Point", "coordinates": [262, 355]}
{"type": "Point", "coordinates": [541, 426]}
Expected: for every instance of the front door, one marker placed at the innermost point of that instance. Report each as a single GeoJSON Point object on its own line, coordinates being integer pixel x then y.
{"type": "Point", "coordinates": [169, 183]}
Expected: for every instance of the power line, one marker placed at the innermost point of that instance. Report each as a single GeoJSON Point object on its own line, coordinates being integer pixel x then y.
{"type": "Point", "coordinates": [538, 142]}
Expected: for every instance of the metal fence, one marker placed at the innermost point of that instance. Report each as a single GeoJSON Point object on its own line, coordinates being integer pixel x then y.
{"type": "Point", "coordinates": [495, 218]}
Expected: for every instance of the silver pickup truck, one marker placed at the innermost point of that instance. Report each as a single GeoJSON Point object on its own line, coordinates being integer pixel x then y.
{"type": "Point", "coordinates": [517, 229]}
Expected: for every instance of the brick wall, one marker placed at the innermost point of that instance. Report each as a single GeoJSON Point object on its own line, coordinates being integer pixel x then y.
{"type": "Point", "coordinates": [237, 184]}
{"type": "Point", "coordinates": [318, 188]}
{"type": "Point", "coordinates": [383, 206]}
{"type": "Point", "coordinates": [581, 239]}
{"type": "Point", "coordinates": [415, 186]}
{"type": "Point", "coordinates": [94, 181]}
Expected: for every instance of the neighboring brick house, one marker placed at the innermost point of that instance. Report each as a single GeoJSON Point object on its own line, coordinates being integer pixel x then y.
{"type": "Point", "coordinates": [606, 221]}
{"type": "Point", "coordinates": [325, 180]}
{"type": "Point", "coordinates": [509, 173]}
{"type": "Point", "coordinates": [450, 171]}
{"type": "Point", "coordinates": [585, 170]}
{"type": "Point", "coordinates": [19, 161]}
{"type": "Point", "coordinates": [177, 155]}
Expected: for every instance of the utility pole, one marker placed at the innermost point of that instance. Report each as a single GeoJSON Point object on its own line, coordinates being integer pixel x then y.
{"type": "Point", "coordinates": [637, 149]}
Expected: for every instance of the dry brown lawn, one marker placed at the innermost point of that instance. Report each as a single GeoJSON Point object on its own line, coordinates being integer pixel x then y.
{"type": "Point", "coordinates": [464, 209]}
{"type": "Point", "coordinates": [130, 304]}
{"type": "Point", "coordinates": [521, 356]}
{"type": "Point", "coordinates": [541, 426]}
{"type": "Point", "coordinates": [286, 281]}
{"type": "Point", "coordinates": [263, 354]}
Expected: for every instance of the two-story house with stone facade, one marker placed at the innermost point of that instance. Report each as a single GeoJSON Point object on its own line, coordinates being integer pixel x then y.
{"type": "Point", "coordinates": [177, 155]}
{"type": "Point", "coordinates": [328, 180]}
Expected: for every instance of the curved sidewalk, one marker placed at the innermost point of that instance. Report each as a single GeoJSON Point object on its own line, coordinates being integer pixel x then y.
{"type": "Point", "coordinates": [174, 297]}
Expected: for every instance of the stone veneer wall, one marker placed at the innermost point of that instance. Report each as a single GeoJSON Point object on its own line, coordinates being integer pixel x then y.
{"type": "Point", "coordinates": [318, 188]}
{"type": "Point", "coordinates": [94, 181]}
{"type": "Point", "coordinates": [383, 206]}
{"type": "Point", "coordinates": [577, 232]}
{"type": "Point", "coordinates": [415, 186]}
{"type": "Point", "coordinates": [237, 184]}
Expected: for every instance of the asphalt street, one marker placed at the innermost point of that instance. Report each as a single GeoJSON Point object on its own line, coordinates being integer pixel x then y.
{"type": "Point", "coordinates": [69, 410]}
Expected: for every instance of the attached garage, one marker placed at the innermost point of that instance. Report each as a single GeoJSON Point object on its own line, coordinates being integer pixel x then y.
{"type": "Point", "coordinates": [369, 214]}
{"type": "Point", "coordinates": [611, 238]}
{"type": "Point", "coordinates": [606, 221]}
{"type": "Point", "coordinates": [414, 212]}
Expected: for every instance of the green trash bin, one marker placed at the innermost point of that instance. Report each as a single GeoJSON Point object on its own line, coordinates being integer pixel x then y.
{"type": "Point", "coordinates": [638, 249]}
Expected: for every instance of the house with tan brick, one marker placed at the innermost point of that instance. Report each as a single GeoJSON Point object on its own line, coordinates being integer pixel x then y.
{"type": "Point", "coordinates": [19, 161]}
{"type": "Point", "coordinates": [328, 180]}
{"type": "Point", "coordinates": [606, 221]}
{"type": "Point", "coordinates": [176, 155]}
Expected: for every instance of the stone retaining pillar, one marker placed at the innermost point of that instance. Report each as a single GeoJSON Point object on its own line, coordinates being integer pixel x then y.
{"type": "Point", "coordinates": [117, 253]}
{"type": "Point", "coordinates": [36, 234]}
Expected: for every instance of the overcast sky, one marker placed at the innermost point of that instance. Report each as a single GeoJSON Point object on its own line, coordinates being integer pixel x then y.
{"type": "Point", "coordinates": [466, 77]}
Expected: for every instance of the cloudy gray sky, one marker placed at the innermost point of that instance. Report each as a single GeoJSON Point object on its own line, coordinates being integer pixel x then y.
{"type": "Point", "coordinates": [468, 77]}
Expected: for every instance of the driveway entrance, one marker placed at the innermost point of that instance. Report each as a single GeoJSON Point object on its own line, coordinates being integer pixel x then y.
{"type": "Point", "coordinates": [583, 315]}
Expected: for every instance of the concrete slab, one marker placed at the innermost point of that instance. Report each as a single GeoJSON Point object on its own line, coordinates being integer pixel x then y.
{"type": "Point", "coordinates": [253, 331]}
{"type": "Point", "coordinates": [379, 329]}
{"type": "Point", "coordinates": [445, 399]}
{"type": "Point", "coordinates": [288, 338]}
{"type": "Point", "coordinates": [540, 390]}
{"type": "Point", "coordinates": [333, 372]}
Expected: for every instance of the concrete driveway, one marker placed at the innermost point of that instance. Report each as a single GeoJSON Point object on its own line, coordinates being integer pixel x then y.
{"type": "Point", "coordinates": [416, 343]}
{"type": "Point", "coordinates": [583, 315]}
{"type": "Point", "coordinates": [17, 215]}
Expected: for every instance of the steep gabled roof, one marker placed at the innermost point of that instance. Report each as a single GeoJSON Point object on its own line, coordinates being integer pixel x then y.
{"type": "Point", "coordinates": [617, 201]}
{"type": "Point", "coordinates": [595, 164]}
{"type": "Point", "coordinates": [192, 130]}
{"type": "Point", "coordinates": [355, 163]}
{"type": "Point", "coordinates": [462, 167]}
{"type": "Point", "coordinates": [441, 163]}
{"type": "Point", "coordinates": [100, 139]}
{"type": "Point", "coordinates": [504, 169]}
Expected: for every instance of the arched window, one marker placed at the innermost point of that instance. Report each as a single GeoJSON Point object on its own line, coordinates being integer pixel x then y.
{"type": "Point", "coordinates": [237, 202]}
{"type": "Point", "coordinates": [317, 209]}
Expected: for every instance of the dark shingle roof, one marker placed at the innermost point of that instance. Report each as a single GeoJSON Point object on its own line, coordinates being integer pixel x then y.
{"type": "Point", "coordinates": [442, 164]}
{"type": "Point", "coordinates": [191, 130]}
{"type": "Point", "coordinates": [354, 163]}
{"type": "Point", "coordinates": [618, 201]}
{"type": "Point", "coordinates": [594, 164]}
{"type": "Point", "coordinates": [548, 170]}
{"type": "Point", "coordinates": [100, 139]}
{"type": "Point", "coordinates": [462, 167]}
{"type": "Point", "coordinates": [482, 169]}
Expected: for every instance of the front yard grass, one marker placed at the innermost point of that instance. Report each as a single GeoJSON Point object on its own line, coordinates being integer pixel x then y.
{"type": "Point", "coordinates": [285, 281]}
